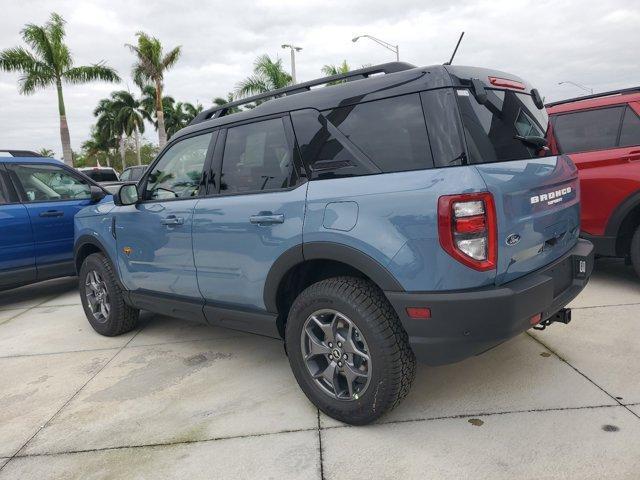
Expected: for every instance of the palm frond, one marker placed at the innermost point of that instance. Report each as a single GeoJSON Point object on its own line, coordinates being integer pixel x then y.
{"type": "Point", "coordinates": [88, 73]}
{"type": "Point", "coordinates": [170, 59]}
{"type": "Point", "coordinates": [252, 85]}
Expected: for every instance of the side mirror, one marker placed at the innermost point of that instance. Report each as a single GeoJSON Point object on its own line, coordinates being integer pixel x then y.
{"type": "Point", "coordinates": [127, 194]}
{"type": "Point", "coordinates": [96, 193]}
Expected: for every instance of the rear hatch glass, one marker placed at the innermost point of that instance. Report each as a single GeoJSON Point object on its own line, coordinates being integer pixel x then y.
{"type": "Point", "coordinates": [536, 195]}
{"type": "Point", "coordinates": [101, 175]}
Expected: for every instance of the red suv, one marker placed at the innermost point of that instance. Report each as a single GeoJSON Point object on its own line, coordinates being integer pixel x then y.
{"type": "Point", "coordinates": [601, 134]}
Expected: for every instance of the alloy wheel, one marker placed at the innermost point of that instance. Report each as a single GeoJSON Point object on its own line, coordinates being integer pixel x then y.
{"type": "Point", "coordinates": [97, 296]}
{"type": "Point", "coordinates": [336, 354]}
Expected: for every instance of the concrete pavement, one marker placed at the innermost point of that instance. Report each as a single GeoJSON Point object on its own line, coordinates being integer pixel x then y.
{"type": "Point", "coordinates": [180, 400]}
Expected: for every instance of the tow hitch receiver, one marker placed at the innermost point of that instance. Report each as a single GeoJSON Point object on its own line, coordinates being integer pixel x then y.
{"type": "Point", "coordinates": [562, 316]}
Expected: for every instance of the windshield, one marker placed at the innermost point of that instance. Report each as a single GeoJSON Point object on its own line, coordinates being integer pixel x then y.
{"type": "Point", "coordinates": [491, 129]}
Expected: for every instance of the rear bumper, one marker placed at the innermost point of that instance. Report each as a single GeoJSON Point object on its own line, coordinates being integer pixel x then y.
{"type": "Point", "coordinates": [466, 323]}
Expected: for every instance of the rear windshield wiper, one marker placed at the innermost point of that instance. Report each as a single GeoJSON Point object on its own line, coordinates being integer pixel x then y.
{"type": "Point", "coordinates": [534, 141]}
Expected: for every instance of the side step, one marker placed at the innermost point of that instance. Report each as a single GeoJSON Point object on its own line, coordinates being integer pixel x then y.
{"type": "Point", "coordinates": [562, 316]}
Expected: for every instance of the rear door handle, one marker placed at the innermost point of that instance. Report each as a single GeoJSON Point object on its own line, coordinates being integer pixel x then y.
{"type": "Point", "coordinates": [172, 220]}
{"type": "Point", "coordinates": [266, 218]}
{"type": "Point", "coordinates": [52, 213]}
{"type": "Point", "coordinates": [634, 155]}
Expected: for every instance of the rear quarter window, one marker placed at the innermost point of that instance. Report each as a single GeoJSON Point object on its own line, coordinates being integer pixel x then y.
{"type": "Point", "coordinates": [588, 130]}
{"type": "Point", "coordinates": [630, 131]}
{"type": "Point", "coordinates": [389, 135]}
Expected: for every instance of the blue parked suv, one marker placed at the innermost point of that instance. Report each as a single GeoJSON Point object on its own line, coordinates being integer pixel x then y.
{"type": "Point", "coordinates": [38, 199]}
{"type": "Point", "coordinates": [401, 213]}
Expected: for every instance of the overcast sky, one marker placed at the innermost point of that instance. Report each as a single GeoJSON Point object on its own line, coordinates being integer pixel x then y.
{"type": "Point", "coordinates": [590, 42]}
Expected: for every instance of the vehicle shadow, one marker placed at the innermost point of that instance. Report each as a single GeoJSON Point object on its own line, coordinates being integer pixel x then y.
{"type": "Point", "coordinates": [30, 295]}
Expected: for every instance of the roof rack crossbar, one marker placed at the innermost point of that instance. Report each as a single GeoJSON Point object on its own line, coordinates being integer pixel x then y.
{"type": "Point", "coordinates": [594, 95]}
{"type": "Point", "coordinates": [359, 74]}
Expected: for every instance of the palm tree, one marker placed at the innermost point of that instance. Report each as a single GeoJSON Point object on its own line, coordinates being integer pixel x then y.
{"type": "Point", "coordinates": [46, 152]}
{"type": "Point", "coordinates": [149, 69]}
{"type": "Point", "coordinates": [98, 144]}
{"type": "Point", "coordinates": [49, 62]}
{"type": "Point", "coordinates": [329, 70]}
{"type": "Point", "coordinates": [220, 101]}
{"type": "Point", "coordinates": [129, 117]}
{"type": "Point", "coordinates": [178, 115]}
{"type": "Point", "coordinates": [107, 128]}
{"type": "Point", "coordinates": [267, 75]}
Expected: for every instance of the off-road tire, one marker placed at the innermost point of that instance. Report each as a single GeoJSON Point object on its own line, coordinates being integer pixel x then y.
{"type": "Point", "coordinates": [122, 318]}
{"type": "Point", "coordinates": [393, 361]}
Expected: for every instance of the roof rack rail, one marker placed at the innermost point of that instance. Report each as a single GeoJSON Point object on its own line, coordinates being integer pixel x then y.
{"type": "Point", "coordinates": [220, 111]}
{"type": "Point", "coordinates": [594, 95]}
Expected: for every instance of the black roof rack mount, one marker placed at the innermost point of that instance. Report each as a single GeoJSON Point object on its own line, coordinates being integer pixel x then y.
{"type": "Point", "coordinates": [220, 111]}
{"type": "Point", "coordinates": [595, 95]}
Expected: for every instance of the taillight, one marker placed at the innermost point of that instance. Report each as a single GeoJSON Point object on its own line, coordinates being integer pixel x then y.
{"type": "Point", "coordinates": [468, 230]}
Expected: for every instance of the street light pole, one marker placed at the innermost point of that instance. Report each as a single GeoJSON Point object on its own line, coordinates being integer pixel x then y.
{"type": "Point", "coordinates": [579, 85]}
{"type": "Point", "coordinates": [394, 48]}
{"type": "Point", "coordinates": [293, 49]}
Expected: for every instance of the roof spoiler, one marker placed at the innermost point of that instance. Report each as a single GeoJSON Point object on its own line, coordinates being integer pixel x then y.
{"type": "Point", "coordinates": [385, 68]}
{"type": "Point", "coordinates": [595, 95]}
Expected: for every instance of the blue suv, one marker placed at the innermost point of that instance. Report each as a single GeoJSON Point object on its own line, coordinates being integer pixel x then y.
{"type": "Point", "coordinates": [38, 200]}
{"type": "Point", "coordinates": [400, 213]}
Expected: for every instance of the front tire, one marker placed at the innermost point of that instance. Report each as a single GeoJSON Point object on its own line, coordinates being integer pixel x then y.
{"type": "Point", "coordinates": [102, 298]}
{"type": "Point", "coordinates": [348, 350]}
{"type": "Point", "coordinates": [635, 251]}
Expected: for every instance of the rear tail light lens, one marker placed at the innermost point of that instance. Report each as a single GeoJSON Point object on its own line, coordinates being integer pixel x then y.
{"type": "Point", "coordinates": [467, 229]}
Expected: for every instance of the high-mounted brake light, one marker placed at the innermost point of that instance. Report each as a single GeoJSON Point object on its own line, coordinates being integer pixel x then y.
{"type": "Point", "coordinates": [468, 230]}
{"type": "Point", "coordinates": [503, 82]}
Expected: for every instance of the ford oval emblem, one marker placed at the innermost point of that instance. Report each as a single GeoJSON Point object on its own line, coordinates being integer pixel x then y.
{"type": "Point", "coordinates": [512, 239]}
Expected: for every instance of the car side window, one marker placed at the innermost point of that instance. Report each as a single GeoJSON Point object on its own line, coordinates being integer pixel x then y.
{"type": "Point", "coordinates": [41, 183]}
{"type": "Point", "coordinates": [125, 175]}
{"type": "Point", "coordinates": [630, 132]}
{"type": "Point", "coordinates": [588, 130]}
{"type": "Point", "coordinates": [257, 157]}
{"type": "Point", "coordinates": [4, 187]}
{"type": "Point", "coordinates": [178, 173]}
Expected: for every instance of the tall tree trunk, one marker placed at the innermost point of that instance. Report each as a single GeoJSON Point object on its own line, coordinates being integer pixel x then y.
{"type": "Point", "coordinates": [122, 148]}
{"type": "Point", "coordinates": [162, 133]}
{"type": "Point", "coordinates": [137, 137]}
{"type": "Point", "coordinates": [65, 138]}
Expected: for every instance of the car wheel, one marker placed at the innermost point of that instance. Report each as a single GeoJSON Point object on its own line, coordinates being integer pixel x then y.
{"type": "Point", "coordinates": [348, 350]}
{"type": "Point", "coordinates": [102, 298]}
{"type": "Point", "coordinates": [635, 251]}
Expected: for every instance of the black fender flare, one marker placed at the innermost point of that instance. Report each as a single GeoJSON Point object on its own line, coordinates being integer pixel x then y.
{"type": "Point", "coordinates": [84, 240]}
{"type": "Point", "coordinates": [621, 212]}
{"type": "Point", "coordinates": [325, 251]}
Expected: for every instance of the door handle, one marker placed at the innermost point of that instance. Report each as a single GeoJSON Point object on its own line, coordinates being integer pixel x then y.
{"type": "Point", "coordinates": [634, 155]}
{"type": "Point", "coordinates": [52, 213]}
{"type": "Point", "coordinates": [172, 220]}
{"type": "Point", "coordinates": [266, 218]}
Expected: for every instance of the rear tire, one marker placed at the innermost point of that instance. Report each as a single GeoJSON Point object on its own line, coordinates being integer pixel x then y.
{"type": "Point", "coordinates": [356, 315]}
{"type": "Point", "coordinates": [102, 298]}
{"type": "Point", "coordinates": [635, 251]}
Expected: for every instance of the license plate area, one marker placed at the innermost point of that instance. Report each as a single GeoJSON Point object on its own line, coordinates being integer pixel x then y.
{"type": "Point", "coordinates": [562, 275]}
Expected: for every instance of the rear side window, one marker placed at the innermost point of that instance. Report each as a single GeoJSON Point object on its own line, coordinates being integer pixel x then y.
{"type": "Point", "coordinates": [490, 129]}
{"type": "Point", "coordinates": [386, 135]}
{"type": "Point", "coordinates": [4, 187]}
{"type": "Point", "coordinates": [257, 157]}
{"type": "Point", "coordinates": [630, 132]}
{"type": "Point", "coordinates": [588, 130]}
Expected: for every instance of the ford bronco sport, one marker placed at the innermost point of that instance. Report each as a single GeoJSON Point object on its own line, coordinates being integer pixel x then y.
{"type": "Point", "coordinates": [399, 213]}
{"type": "Point", "coordinates": [601, 134]}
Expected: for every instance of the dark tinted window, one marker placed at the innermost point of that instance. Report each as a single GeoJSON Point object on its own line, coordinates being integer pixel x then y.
{"type": "Point", "coordinates": [257, 156]}
{"type": "Point", "coordinates": [100, 175]}
{"type": "Point", "coordinates": [391, 132]}
{"type": "Point", "coordinates": [441, 112]}
{"type": "Point", "coordinates": [179, 171]}
{"type": "Point", "coordinates": [490, 128]}
{"type": "Point", "coordinates": [630, 133]}
{"type": "Point", "coordinates": [588, 130]}
{"type": "Point", "coordinates": [324, 154]}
